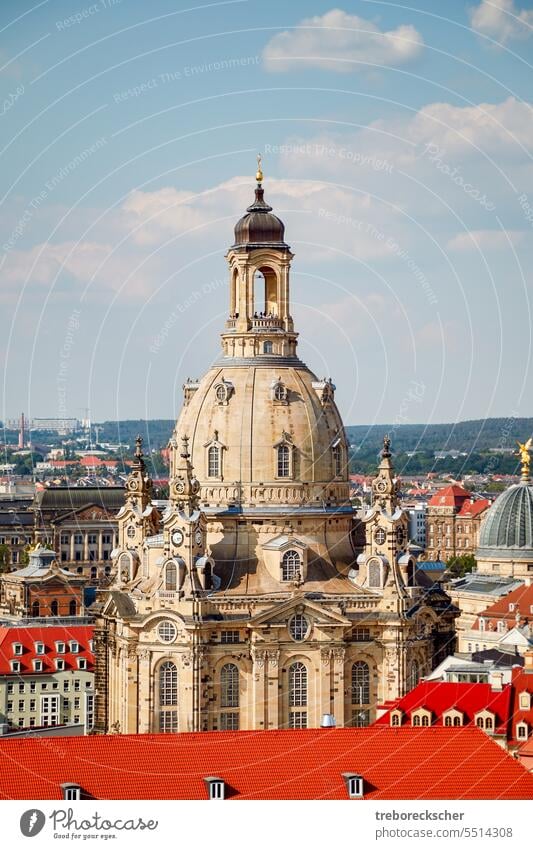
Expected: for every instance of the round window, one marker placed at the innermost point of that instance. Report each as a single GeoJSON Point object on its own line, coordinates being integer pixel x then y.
{"type": "Point", "coordinates": [131, 532]}
{"type": "Point", "coordinates": [167, 631]}
{"type": "Point", "coordinates": [380, 536]}
{"type": "Point", "coordinates": [299, 627]}
{"type": "Point", "coordinates": [221, 392]}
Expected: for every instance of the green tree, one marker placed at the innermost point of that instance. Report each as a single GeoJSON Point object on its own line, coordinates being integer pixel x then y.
{"type": "Point", "coordinates": [5, 559]}
{"type": "Point", "coordinates": [460, 565]}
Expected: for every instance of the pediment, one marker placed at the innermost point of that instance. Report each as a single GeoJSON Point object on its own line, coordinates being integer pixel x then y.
{"type": "Point", "coordinates": [87, 513]}
{"type": "Point", "coordinates": [278, 614]}
{"type": "Point", "coordinates": [118, 605]}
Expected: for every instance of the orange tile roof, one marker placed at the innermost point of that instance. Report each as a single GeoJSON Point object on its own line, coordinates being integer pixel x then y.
{"type": "Point", "coordinates": [434, 763]}
{"type": "Point", "coordinates": [449, 496]}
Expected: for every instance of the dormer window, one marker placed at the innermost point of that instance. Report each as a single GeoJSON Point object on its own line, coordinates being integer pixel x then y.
{"type": "Point", "coordinates": [453, 719]}
{"type": "Point", "coordinates": [71, 792]}
{"type": "Point", "coordinates": [17, 648]}
{"type": "Point", "coordinates": [15, 665]}
{"type": "Point", "coordinates": [396, 718]}
{"type": "Point", "coordinates": [74, 647]}
{"type": "Point", "coordinates": [291, 566]}
{"type": "Point", "coordinates": [60, 664]}
{"type": "Point", "coordinates": [485, 721]}
{"type": "Point", "coordinates": [39, 648]}
{"type": "Point", "coordinates": [279, 392]}
{"type": "Point", "coordinates": [284, 457]}
{"type": "Point", "coordinates": [215, 787]}
{"type": "Point", "coordinates": [521, 731]}
{"type": "Point", "coordinates": [354, 785]}
{"type": "Point", "coordinates": [421, 718]}
{"type": "Point", "coordinates": [60, 647]}
{"type": "Point", "coordinates": [38, 665]}
{"type": "Point", "coordinates": [511, 607]}
{"type": "Point", "coordinates": [82, 663]}
{"type": "Point", "coordinates": [214, 455]}
{"type": "Point", "coordinates": [223, 391]}
{"type": "Point", "coordinates": [524, 701]}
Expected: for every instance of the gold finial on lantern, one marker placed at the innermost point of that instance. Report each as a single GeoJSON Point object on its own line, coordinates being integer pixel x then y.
{"type": "Point", "coordinates": [259, 174]}
{"type": "Point", "coordinates": [524, 452]}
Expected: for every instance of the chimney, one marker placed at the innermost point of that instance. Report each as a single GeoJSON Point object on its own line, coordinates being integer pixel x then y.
{"type": "Point", "coordinates": [496, 681]}
{"type": "Point", "coordinates": [528, 661]}
{"type": "Point", "coordinates": [328, 721]}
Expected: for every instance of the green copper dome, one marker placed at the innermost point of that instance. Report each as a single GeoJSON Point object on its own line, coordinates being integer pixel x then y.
{"type": "Point", "coordinates": [508, 525]}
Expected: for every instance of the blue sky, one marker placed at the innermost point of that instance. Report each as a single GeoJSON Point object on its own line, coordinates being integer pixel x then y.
{"type": "Point", "coordinates": [396, 146]}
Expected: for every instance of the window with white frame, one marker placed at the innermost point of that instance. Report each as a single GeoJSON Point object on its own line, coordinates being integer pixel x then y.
{"type": "Point", "coordinates": [74, 647]}
{"type": "Point", "coordinates": [284, 461]}
{"type": "Point", "coordinates": [49, 710]}
{"type": "Point", "coordinates": [213, 461]}
{"type": "Point", "coordinates": [229, 697]}
{"type": "Point", "coordinates": [360, 683]}
{"type": "Point", "coordinates": [168, 697]}
{"type": "Point", "coordinates": [521, 731]}
{"type": "Point", "coordinates": [60, 647]}
{"type": "Point", "coordinates": [299, 627]}
{"type": "Point", "coordinates": [60, 664]}
{"type": "Point", "coordinates": [297, 695]}
{"type": "Point", "coordinates": [71, 792]}
{"type": "Point", "coordinates": [82, 663]}
{"type": "Point", "coordinates": [89, 711]}
{"type": "Point", "coordinates": [15, 665]}
{"type": "Point", "coordinates": [38, 665]}
{"type": "Point", "coordinates": [39, 648]}
{"type": "Point", "coordinates": [524, 701]}
{"type": "Point", "coordinates": [17, 648]}
{"type": "Point", "coordinates": [291, 565]}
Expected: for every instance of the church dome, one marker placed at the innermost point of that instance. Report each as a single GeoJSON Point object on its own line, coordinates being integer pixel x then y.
{"type": "Point", "coordinates": [259, 227]}
{"type": "Point", "coordinates": [508, 526]}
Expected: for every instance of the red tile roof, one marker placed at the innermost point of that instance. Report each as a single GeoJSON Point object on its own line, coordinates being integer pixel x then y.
{"type": "Point", "coordinates": [521, 601]}
{"type": "Point", "coordinates": [522, 682]}
{"type": "Point", "coordinates": [435, 763]}
{"type": "Point", "coordinates": [470, 509]}
{"type": "Point", "coordinates": [441, 696]}
{"type": "Point", "coordinates": [449, 496]}
{"type": "Point", "coordinates": [48, 635]}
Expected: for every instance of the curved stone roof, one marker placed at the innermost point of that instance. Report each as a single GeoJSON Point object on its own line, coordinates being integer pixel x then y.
{"type": "Point", "coordinates": [260, 226]}
{"type": "Point", "coordinates": [508, 525]}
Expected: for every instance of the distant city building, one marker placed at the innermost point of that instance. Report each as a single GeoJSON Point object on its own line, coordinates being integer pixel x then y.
{"type": "Point", "coordinates": [80, 523]}
{"type": "Point", "coordinates": [46, 677]}
{"type": "Point", "coordinates": [41, 589]}
{"type": "Point", "coordinates": [507, 624]}
{"type": "Point", "coordinates": [417, 523]}
{"type": "Point", "coordinates": [16, 529]}
{"type": "Point", "coordinates": [453, 520]}
{"type": "Point", "coordinates": [61, 426]}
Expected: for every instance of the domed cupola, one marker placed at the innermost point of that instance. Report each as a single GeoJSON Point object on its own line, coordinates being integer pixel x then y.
{"type": "Point", "coordinates": [259, 227]}
{"type": "Point", "coordinates": [507, 531]}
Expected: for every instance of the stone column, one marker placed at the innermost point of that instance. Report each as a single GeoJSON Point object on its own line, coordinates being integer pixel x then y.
{"type": "Point", "coordinates": [338, 685]}
{"type": "Point", "coordinates": [100, 545]}
{"type": "Point", "coordinates": [85, 546]}
{"type": "Point", "coordinates": [324, 693]}
{"type": "Point", "coordinates": [141, 696]}
{"type": "Point", "coordinates": [260, 712]}
{"type": "Point", "coordinates": [272, 690]}
{"type": "Point", "coordinates": [71, 546]}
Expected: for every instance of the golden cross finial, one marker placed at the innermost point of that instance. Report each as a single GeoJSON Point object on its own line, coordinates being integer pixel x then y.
{"type": "Point", "coordinates": [259, 174]}
{"type": "Point", "coordinates": [524, 452]}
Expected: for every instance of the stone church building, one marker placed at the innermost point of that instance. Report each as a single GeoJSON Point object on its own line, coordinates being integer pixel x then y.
{"type": "Point", "coordinates": [246, 605]}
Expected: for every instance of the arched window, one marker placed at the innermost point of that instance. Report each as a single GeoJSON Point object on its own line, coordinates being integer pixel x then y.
{"type": "Point", "coordinates": [168, 697]}
{"type": "Point", "coordinates": [72, 607]}
{"type": "Point", "coordinates": [360, 683]}
{"type": "Point", "coordinates": [54, 608]}
{"type": "Point", "coordinates": [336, 453]}
{"type": "Point", "coordinates": [267, 347]}
{"type": "Point", "coordinates": [416, 720]}
{"type": "Point", "coordinates": [35, 608]}
{"type": "Point", "coordinates": [479, 722]}
{"type": "Point", "coordinates": [171, 577]}
{"type": "Point", "coordinates": [489, 724]}
{"type": "Point", "coordinates": [93, 572]}
{"type": "Point", "coordinates": [395, 719]}
{"type": "Point", "coordinates": [425, 720]}
{"type": "Point", "coordinates": [291, 565]}
{"type": "Point", "coordinates": [284, 461]}
{"type": "Point", "coordinates": [457, 721]}
{"type": "Point", "coordinates": [448, 721]}
{"type": "Point", "coordinates": [297, 695]}
{"type": "Point", "coordinates": [229, 697]}
{"type": "Point", "coordinates": [213, 461]}
{"type": "Point", "coordinates": [280, 392]}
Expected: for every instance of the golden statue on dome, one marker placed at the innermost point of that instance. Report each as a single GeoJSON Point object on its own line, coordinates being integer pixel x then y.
{"type": "Point", "coordinates": [259, 173]}
{"type": "Point", "coordinates": [524, 452]}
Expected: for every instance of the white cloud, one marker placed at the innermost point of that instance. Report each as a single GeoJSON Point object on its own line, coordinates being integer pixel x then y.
{"type": "Point", "coordinates": [485, 240]}
{"type": "Point", "coordinates": [338, 42]}
{"type": "Point", "coordinates": [501, 20]}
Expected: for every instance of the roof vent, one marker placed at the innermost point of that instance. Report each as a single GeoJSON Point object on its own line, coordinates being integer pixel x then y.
{"type": "Point", "coordinates": [216, 787]}
{"type": "Point", "coordinates": [70, 791]}
{"type": "Point", "coordinates": [354, 784]}
{"type": "Point", "coordinates": [328, 721]}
